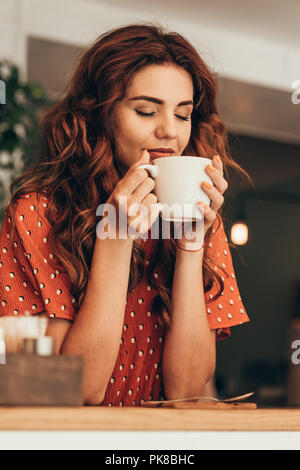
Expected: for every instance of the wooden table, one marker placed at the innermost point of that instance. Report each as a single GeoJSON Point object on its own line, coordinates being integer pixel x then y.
{"type": "Point", "coordinates": [147, 419]}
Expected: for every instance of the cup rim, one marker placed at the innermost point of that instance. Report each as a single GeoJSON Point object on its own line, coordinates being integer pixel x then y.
{"type": "Point", "coordinates": [177, 157]}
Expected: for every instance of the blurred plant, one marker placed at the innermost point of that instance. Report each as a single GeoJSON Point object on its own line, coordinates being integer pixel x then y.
{"type": "Point", "coordinates": [19, 127]}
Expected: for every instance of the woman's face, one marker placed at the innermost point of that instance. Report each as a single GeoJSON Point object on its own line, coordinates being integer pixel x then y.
{"type": "Point", "coordinates": [155, 113]}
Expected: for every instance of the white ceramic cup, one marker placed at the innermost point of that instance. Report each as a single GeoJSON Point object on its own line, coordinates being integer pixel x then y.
{"type": "Point", "coordinates": [178, 186]}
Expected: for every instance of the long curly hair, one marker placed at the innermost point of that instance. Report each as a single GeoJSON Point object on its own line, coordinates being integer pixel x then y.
{"type": "Point", "coordinates": [78, 162]}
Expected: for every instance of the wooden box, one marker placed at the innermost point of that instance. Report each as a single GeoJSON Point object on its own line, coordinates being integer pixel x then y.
{"type": "Point", "coordinates": [30, 380]}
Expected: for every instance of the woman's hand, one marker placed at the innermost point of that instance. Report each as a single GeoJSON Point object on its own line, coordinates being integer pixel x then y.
{"type": "Point", "coordinates": [132, 203]}
{"type": "Point", "coordinates": [215, 193]}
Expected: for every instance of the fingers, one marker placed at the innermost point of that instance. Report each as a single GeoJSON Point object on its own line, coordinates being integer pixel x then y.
{"type": "Point", "coordinates": [209, 213]}
{"type": "Point", "coordinates": [145, 204]}
{"type": "Point", "coordinates": [144, 158]}
{"type": "Point", "coordinates": [153, 208]}
{"type": "Point", "coordinates": [215, 192]}
{"type": "Point", "coordinates": [132, 196]}
{"type": "Point", "coordinates": [215, 172]}
{"type": "Point", "coordinates": [142, 191]}
{"type": "Point", "coordinates": [134, 176]}
{"type": "Point", "coordinates": [145, 215]}
{"type": "Point", "coordinates": [217, 200]}
{"type": "Point", "coordinates": [217, 162]}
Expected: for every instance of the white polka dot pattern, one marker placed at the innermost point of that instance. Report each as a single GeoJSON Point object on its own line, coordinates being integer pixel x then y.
{"type": "Point", "coordinates": [227, 309]}
{"type": "Point", "coordinates": [37, 282]}
{"type": "Point", "coordinates": [140, 349]}
{"type": "Point", "coordinates": [32, 280]}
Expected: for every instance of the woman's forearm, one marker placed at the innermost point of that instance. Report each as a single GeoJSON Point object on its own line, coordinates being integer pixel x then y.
{"type": "Point", "coordinates": [189, 349]}
{"type": "Point", "coordinates": [96, 333]}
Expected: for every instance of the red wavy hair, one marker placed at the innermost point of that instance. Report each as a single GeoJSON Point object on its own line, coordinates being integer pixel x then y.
{"type": "Point", "coordinates": [78, 163]}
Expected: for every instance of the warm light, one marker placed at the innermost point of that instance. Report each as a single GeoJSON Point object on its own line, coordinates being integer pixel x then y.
{"type": "Point", "coordinates": [239, 233]}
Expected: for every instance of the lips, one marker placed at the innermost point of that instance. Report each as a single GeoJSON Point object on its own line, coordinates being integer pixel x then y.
{"type": "Point", "coordinates": [161, 152]}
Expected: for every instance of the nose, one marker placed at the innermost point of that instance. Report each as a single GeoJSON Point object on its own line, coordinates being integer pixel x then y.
{"type": "Point", "coordinates": [166, 128]}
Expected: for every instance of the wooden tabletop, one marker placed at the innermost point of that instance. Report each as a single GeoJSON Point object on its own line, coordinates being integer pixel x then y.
{"type": "Point", "coordinates": [147, 419]}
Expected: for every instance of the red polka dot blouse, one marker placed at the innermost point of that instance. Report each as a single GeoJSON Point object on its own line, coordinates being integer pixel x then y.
{"type": "Point", "coordinates": [32, 280]}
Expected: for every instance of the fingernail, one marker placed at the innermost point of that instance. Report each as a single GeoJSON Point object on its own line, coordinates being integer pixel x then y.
{"type": "Point", "coordinates": [218, 158]}
{"type": "Point", "coordinates": [212, 168]}
{"type": "Point", "coordinates": [207, 185]}
{"type": "Point", "coordinates": [202, 204]}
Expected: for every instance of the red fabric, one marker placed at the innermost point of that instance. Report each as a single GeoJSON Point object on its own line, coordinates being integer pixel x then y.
{"type": "Point", "coordinates": [32, 280]}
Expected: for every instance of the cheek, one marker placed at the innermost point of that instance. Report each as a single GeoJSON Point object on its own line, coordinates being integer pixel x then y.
{"type": "Point", "coordinates": [133, 133]}
{"type": "Point", "coordinates": [185, 136]}
{"type": "Point", "coordinates": [130, 137]}
{"type": "Point", "coordinates": [126, 128]}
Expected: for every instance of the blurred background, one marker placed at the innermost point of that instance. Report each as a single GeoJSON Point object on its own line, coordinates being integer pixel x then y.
{"type": "Point", "coordinates": [254, 49]}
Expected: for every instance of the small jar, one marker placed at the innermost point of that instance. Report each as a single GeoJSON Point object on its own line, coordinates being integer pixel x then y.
{"type": "Point", "coordinates": [2, 347]}
{"type": "Point", "coordinates": [41, 346]}
{"type": "Point", "coordinates": [29, 345]}
{"type": "Point", "coordinates": [45, 346]}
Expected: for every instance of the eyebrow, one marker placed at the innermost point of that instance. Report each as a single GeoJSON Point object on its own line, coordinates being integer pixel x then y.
{"type": "Point", "coordinates": [156, 100]}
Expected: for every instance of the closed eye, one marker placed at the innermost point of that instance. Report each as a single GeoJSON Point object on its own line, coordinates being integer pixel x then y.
{"type": "Point", "coordinates": [140, 113]}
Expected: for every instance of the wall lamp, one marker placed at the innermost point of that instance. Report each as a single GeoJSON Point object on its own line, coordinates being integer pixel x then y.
{"type": "Point", "coordinates": [239, 232]}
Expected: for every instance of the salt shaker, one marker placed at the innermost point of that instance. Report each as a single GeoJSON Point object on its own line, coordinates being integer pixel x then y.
{"type": "Point", "coordinates": [29, 345]}
{"type": "Point", "coordinates": [45, 346]}
{"type": "Point", "coordinates": [40, 346]}
{"type": "Point", "coordinates": [2, 347]}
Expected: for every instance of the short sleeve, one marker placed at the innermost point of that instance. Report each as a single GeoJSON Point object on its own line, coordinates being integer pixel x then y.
{"type": "Point", "coordinates": [31, 279]}
{"type": "Point", "coordinates": [228, 309]}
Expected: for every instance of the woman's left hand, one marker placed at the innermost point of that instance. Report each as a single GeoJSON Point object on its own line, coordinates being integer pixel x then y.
{"type": "Point", "coordinates": [215, 193]}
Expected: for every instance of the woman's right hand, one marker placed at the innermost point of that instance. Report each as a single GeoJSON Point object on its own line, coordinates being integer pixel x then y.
{"type": "Point", "coordinates": [134, 189]}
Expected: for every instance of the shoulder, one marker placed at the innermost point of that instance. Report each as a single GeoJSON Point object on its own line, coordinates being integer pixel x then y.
{"type": "Point", "coordinates": [29, 212]}
{"type": "Point", "coordinates": [26, 219]}
{"type": "Point", "coordinates": [31, 205]}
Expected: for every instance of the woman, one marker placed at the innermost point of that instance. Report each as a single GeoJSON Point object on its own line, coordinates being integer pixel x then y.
{"type": "Point", "coordinates": [144, 314]}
